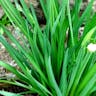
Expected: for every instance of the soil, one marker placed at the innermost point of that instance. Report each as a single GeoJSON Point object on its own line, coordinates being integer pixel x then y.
{"type": "Point", "coordinates": [4, 55]}
{"type": "Point", "coordinates": [15, 89]}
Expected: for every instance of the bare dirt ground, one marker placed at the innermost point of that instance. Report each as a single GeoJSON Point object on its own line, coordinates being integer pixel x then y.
{"type": "Point", "coordinates": [4, 55]}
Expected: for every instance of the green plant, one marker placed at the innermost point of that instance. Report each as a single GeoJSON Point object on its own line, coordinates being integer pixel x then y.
{"type": "Point", "coordinates": [48, 65]}
{"type": "Point", "coordinates": [8, 93]}
{"type": "Point", "coordinates": [4, 20]}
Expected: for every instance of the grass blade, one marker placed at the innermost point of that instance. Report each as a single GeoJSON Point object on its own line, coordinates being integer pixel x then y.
{"type": "Point", "coordinates": [63, 80]}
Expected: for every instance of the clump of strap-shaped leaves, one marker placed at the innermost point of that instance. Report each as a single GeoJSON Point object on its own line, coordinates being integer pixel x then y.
{"type": "Point", "coordinates": [50, 64]}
